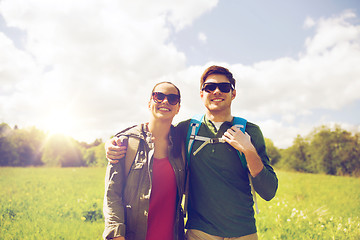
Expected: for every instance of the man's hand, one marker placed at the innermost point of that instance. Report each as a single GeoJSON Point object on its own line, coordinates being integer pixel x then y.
{"type": "Point", "coordinates": [242, 142]}
{"type": "Point", "coordinates": [115, 149]}
{"type": "Point", "coordinates": [239, 140]}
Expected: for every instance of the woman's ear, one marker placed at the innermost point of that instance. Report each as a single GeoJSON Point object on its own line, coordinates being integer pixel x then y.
{"type": "Point", "coordinates": [178, 109]}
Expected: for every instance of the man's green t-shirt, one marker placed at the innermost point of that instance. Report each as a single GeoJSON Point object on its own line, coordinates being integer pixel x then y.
{"type": "Point", "coordinates": [220, 200]}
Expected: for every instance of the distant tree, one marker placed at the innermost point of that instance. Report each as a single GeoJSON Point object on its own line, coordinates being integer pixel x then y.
{"type": "Point", "coordinates": [21, 143]}
{"type": "Point", "coordinates": [62, 151]}
{"type": "Point", "coordinates": [273, 152]}
{"type": "Point", "coordinates": [27, 144]}
{"type": "Point", "coordinates": [86, 145]}
{"type": "Point", "coordinates": [335, 152]}
{"type": "Point", "coordinates": [296, 157]}
{"type": "Point", "coordinates": [100, 155]}
{"type": "Point", "coordinates": [95, 156]}
{"type": "Point", "coordinates": [7, 148]}
{"type": "Point", "coordinates": [37, 139]}
{"type": "Point", "coordinates": [89, 157]}
{"type": "Point", "coordinates": [7, 152]}
{"type": "Point", "coordinates": [5, 129]}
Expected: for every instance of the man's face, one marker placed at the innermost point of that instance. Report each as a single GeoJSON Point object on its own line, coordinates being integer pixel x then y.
{"type": "Point", "coordinates": [217, 101]}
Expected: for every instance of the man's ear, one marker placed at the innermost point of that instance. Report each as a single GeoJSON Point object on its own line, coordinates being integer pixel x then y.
{"type": "Point", "coordinates": [233, 94]}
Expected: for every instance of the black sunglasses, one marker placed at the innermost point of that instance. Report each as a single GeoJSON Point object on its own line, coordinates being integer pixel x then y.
{"type": "Point", "coordinates": [223, 87]}
{"type": "Point", "coordinates": [173, 99]}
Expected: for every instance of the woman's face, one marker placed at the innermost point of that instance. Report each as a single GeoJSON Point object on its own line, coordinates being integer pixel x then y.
{"type": "Point", "coordinates": [162, 109]}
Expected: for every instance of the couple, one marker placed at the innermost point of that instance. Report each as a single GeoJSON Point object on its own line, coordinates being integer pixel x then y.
{"type": "Point", "coordinates": [143, 198]}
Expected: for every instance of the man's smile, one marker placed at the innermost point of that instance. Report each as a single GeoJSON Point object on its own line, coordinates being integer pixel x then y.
{"type": "Point", "coordinates": [217, 100]}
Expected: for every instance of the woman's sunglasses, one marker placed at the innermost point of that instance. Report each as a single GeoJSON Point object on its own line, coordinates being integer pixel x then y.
{"type": "Point", "coordinates": [173, 99]}
{"type": "Point", "coordinates": [223, 87]}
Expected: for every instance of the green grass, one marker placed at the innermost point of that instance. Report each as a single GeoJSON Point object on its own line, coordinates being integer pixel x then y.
{"type": "Point", "coordinates": [51, 203]}
{"type": "Point", "coordinates": [66, 203]}
{"type": "Point", "coordinates": [310, 206]}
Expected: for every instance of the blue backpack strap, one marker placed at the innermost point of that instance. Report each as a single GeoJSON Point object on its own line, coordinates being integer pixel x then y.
{"type": "Point", "coordinates": [194, 127]}
{"type": "Point", "coordinates": [241, 124]}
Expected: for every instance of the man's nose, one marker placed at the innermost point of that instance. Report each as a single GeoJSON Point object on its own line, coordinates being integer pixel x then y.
{"type": "Point", "coordinates": [217, 90]}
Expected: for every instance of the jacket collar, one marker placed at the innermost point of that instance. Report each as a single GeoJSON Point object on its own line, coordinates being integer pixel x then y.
{"type": "Point", "coordinates": [142, 131]}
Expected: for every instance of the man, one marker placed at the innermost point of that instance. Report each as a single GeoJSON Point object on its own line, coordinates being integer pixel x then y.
{"type": "Point", "coordinates": [220, 203]}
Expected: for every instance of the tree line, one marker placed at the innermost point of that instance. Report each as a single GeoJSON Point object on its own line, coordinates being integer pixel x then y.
{"type": "Point", "coordinates": [33, 147]}
{"type": "Point", "coordinates": [325, 150]}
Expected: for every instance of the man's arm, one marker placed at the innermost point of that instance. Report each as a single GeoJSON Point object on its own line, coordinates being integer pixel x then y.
{"type": "Point", "coordinates": [252, 144]}
{"type": "Point", "coordinates": [115, 150]}
{"type": "Point", "coordinates": [242, 142]}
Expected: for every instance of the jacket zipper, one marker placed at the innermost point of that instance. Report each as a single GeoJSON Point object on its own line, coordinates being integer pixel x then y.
{"type": "Point", "coordinates": [150, 156]}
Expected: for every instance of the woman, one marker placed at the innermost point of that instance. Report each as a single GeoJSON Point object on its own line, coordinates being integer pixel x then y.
{"type": "Point", "coordinates": [145, 203]}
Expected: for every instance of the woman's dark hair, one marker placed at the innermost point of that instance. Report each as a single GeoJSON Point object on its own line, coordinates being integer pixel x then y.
{"type": "Point", "coordinates": [167, 83]}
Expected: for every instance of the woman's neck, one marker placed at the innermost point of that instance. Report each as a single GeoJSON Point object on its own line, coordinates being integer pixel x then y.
{"type": "Point", "coordinates": [159, 129]}
{"type": "Point", "coordinates": [160, 132]}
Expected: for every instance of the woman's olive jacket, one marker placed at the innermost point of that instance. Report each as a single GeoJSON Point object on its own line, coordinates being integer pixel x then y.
{"type": "Point", "coordinates": [126, 200]}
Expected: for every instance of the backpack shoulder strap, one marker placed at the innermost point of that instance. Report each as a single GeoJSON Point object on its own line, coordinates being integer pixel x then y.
{"type": "Point", "coordinates": [194, 127]}
{"type": "Point", "coordinates": [133, 145]}
{"type": "Point", "coordinates": [240, 123]}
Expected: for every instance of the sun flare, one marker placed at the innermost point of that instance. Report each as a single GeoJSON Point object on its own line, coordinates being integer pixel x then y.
{"type": "Point", "coordinates": [59, 121]}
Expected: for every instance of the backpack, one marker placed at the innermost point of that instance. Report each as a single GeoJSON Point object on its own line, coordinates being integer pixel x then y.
{"type": "Point", "coordinates": [192, 136]}
{"type": "Point", "coordinates": [132, 143]}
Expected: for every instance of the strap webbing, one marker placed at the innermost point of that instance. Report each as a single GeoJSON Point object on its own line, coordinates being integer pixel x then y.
{"type": "Point", "coordinates": [133, 145]}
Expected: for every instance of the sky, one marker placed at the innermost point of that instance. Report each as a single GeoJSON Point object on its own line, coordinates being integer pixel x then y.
{"type": "Point", "coordinates": [86, 68]}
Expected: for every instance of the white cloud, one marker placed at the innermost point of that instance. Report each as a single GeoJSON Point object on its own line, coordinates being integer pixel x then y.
{"type": "Point", "coordinates": [333, 33]}
{"type": "Point", "coordinates": [98, 61]}
{"type": "Point", "coordinates": [91, 59]}
{"type": "Point", "coordinates": [309, 22]}
{"type": "Point", "coordinates": [202, 37]}
{"type": "Point", "coordinates": [326, 78]}
{"type": "Point", "coordinates": [282, 134]}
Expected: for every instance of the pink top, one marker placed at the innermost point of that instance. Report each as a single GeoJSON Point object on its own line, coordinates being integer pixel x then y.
{"type": "Point", "coordinates": [162, 201]}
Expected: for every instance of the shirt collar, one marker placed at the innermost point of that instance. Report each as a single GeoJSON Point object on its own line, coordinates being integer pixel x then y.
{"type": "Point", "coordinates": [211, 125]}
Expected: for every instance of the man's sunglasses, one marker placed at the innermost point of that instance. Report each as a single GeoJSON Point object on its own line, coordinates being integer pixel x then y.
{"type": "Point", "coordinates": [223, 87]}
{"type": "Point", "coordinates": [158, 97]}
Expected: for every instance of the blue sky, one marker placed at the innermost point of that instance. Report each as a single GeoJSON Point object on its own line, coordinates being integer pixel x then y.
{"type": "Point", "coordinates": [250, 31]}
{"type": "Point", "coordinates": [86, 68]}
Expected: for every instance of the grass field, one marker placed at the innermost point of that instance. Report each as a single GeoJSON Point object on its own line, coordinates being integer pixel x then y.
{"type": "Point", "coordinates": [66, 203]}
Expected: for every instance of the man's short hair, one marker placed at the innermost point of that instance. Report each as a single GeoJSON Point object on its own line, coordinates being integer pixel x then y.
{"type": "Point", "coordinates": [217, 70]}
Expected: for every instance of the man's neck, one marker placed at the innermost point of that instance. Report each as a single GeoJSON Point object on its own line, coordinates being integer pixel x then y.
{"type": "Point", "coordinates": [219, 116]}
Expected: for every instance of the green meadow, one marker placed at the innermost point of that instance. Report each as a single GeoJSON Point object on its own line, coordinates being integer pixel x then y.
{"type": "Point", "coordinates": [66, 203]}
